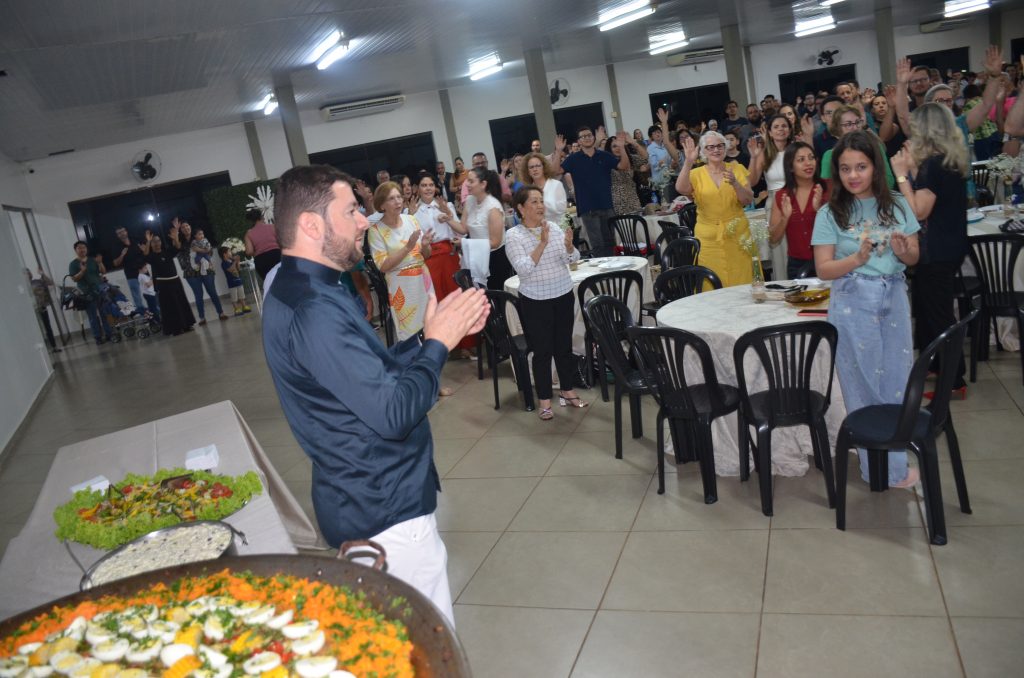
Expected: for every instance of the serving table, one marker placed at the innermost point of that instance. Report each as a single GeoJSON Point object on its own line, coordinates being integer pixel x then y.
{"type": "Point", "coordinates": [37, 568]}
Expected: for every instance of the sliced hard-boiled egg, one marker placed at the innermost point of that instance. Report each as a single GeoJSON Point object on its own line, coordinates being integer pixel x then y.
{"type": "Point", "coordinates": [341, 674]}
{"type": "Point", "coordinates": [164, 630]}
{"type": "Point", "coordinates": [299, 629]}
{"type": "Point", "coordinates": [260, 615]}
{"type": "Point", "coordinates": [198, 606]}
{"type": "Point", "coordinates": [310, 644]}
{"type": "Point", "coordinates": [132, 673]}
{"type": "Point", "coordinates": [106, 671]}
{"type": "Point", "coordinates": [85, 668]}
{"type": "Point", "coordinates": [64, 662]}
{"type": "Point", "coordinates": [100, 616]}
{"type": "Point", "coordinates": [170, 654]}
{"type": "Point", "coordinates": [221, 603]}
{"type": "Point", "coordinates": [213, 629]}
{"type": "Point", "coordinates": [76, 629]}
{"type": "Point", "coordinates": [212, 657]}
{"type": "Point", "coordinates": [12, 666]}
{"type": "Point", "coordinates": [315, 667]}
{"type": "Point", "coordinates": [281, 620]}
{"type": "Point", "coordinates": [38, 671]}
{"type": "Point", "coordinates": [29, 648]}
{"type": "Point", "coordinates": [111, 650]}
{"type": "Point", "coordinates": [144, 651]}
{"type": "Point", "coordinates": [96, 634]}
{"type": "Point", "coordinates": [261, 663]}
{"type": "Point", "coordinates": [246, 608]}
{"type": "Point", "coordinates": [222, 672]}
{"type": "Point", "coordinates": [134, 626]}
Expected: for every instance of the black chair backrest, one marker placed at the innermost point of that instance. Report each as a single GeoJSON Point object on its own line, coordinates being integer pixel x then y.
{"type": "Point", "coordinates": [949, 347]}
{"type": "Point", "coordinates": [786, 353]}
{"type": "Point", "coordinates": [680, 252]}
{"type": "Point", "coordinates": [618, 284]}
{"type": "Point", "coordinates": [684, 281]}
{"type": "Point", "coordinates": [609, 319]}
{"type": "Point", "coordinates": [980, 176]}
{"type": "Point", "coordinates": [633, 235]}
{"type": "Point", "coordinates": [995, 259]}
{"type": "Point", "coordinates": [688, 216]}
{"type": "Point", "coordinates": [661, 352]}
{"type": "Point", "coordinates": [464, 279]}
{"type": "Point", "coordinates": [673, 230]}
{"type": "Point", "coordinates": [496, 328]}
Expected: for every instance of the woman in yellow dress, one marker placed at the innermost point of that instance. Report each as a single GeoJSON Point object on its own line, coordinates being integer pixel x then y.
{"type": "Point", "coordinates": [720, 189]}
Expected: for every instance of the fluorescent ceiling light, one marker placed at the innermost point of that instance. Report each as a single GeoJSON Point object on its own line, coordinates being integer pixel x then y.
{"type": "Point", "coordinates": [812, 31]}
{"type": "Point", "coordinates": [270, 107]}
{"type": "Point", "coordinates": [484, 66]}
{"type": "Point", "coordinates": [264, 101]}
{"type": "Point", "coordinates": [621, 10]}
{"type": "Point", "coordinates": [667, 42]}
{"type": "Point", "coordinates": [623, 20]}
{"type": "Point", "coordinates": [332, 55]}
{"type": "Point", "coordinates": [321, 49]}
{"type": "Point", "coordinates": [829, 3]}
{"type": "Point", "coordinates": [818, 24]}
{"type": "Point", "coordinates": [960, 7]}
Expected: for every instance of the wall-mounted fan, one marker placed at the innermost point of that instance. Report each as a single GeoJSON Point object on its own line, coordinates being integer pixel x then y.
{"type": "Point", "coordinates": [829, 56]}
{"type": "Point", "coordinates": [146, 166]}
{"type": "Point", "coordinates": [559, 91]}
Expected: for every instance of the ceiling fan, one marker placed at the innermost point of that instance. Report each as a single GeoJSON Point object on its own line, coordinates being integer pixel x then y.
{"type": "Point", "coordinates": [559, 91]}
{"type": "Point", "coordinates": [828, 56]}
{"type": "Point", "coordinates": [145, 166]}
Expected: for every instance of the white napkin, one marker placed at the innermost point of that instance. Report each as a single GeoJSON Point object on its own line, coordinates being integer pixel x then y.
{"type": "Point", "coordinates": [476, 256]}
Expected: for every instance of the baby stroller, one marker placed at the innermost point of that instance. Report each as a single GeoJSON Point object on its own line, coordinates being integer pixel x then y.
{"type": "Point", "coordinates": [124, 319]}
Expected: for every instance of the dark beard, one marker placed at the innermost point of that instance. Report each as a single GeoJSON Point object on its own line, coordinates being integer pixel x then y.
{"type": "Point", "coordinates": [339, 251]}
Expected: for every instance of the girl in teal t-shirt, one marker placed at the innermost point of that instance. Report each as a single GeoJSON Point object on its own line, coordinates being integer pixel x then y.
{"type": "Point", "coordinates": [863, 240]}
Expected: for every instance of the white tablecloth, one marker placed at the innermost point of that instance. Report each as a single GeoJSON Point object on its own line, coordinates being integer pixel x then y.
{"type": "Point", "coordinates": [36, 567]}
{"type": "Point", "coordinates": [720, 317]}
{"type": "Point", "coordinates": [586, 269]}
{"type": "Point", "coordinates": [654, 228]}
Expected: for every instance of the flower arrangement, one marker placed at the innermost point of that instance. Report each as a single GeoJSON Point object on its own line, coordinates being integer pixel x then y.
{"type": "Point", "coordinates": [235, 246]}
{"type": "Point", "coordinates": [1003, 166]}
{"type": "Point", "coordinates": [566, 223]}
{"type": "Point", "coordinates": [264, 202]}
{"type": "Point", "coordinates": [752, 241]}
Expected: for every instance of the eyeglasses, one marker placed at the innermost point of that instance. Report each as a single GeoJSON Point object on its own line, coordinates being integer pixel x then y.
{"type": "Point", "coordinates": [947, 102]}
{"type": "Point", "coordinates": [851, 124]}
{"type": "Point", "coordinates": [586, 135]}
{"type": "Point", "coordinates": [715, 147]}
{"type": "Point", "coordinates": [918, 81]}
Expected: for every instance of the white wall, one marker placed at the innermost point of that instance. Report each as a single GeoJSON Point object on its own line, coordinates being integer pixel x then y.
{"type": "Point", "coordinates": [24, 361]}
{"type": "Point", "coordinates": [640, 78]}
{"type": "Point", "coordinates": [974, 36]}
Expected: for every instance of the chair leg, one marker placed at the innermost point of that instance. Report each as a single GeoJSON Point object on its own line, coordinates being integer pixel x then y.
{"type": "Point", "coordinates": [492, 362]}
{"type": "Point", "coordinates": [976, 346]}
{"type": "Point", "coordinates": [1020, 334]}
{"type": "Point", "coordinates": [743, 436]}
{"type": "Point", "coordinates": [602, 374]}
{"type": "Point", "coordinates": [706, 455]}
{"type": "Point", "coordinates": [660, 451]}
{"type": "Point", "coordinates": [634, 415]}
{"type": "Point", "coordinates": [618, 422]}
{"type": "Point", "coordinates": [842, 465]}
{"type": "Point", "coordinates": [958, 466]}
{"type": "Point", "coordinates": [588, 354]}
{"type": "Point", "coordinates": [525, 383]}
{"type": "Point", "coordinates": [819, 432]}
{"type": "Point", "coordinates": [481, 344]}
{"type": "Point", "coordinates": [928, 460]}
{"type": "Point", "coordinates": [878, 470]}
{"type": "Point", "coordinates": [764, 473]}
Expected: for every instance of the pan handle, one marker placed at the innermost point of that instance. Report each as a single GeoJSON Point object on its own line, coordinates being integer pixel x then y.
{"type": "Point", "coordinates": [376, 551]}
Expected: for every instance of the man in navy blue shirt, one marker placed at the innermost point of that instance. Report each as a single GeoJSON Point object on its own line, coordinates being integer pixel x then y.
{"type": "Point", "coordinates": [591, 170]}
{"type": "Point", "coordinates": [357, 408]}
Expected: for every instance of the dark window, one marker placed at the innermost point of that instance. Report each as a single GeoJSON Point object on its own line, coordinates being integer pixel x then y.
{"type": "Point", "coordinates": [945, 60]}
{"type": "Point", "coordinates": [96, 220]}
{"type": "Point", "coordinates": [693, 105]}
{"type": "Point", "coordinates": [1016, 50]}
{"type": "Point", "coordinates": [401, 155]}
{"type": "Point", "coordinates": [515, 134]}
{"type": "Point", "coordinates": [792, 85]}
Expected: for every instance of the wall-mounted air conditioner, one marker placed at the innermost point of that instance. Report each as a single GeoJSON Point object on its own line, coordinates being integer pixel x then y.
{"type": "Point", "coordinates": [944, 24]}
{"type": "Point", "coordinates": [700, 56]}
{"type": "Point", "coordinates": [355, 109]}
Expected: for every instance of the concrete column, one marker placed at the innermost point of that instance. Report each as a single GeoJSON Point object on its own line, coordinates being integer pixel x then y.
{"type": "Point", "coordinates": [613, 86]}
{"type": "Point", "coordinates": [995, 31]}
{"type": "Point", "coordinates": [541, 97]}
{"type": "Point", "coordinates": [292, 125]}
{"type": "Point", "coordinates": [751, 89]}
{"type": "Point", "coordinates": [735, 68]}
{"type": "Point", "coordinates": [449, 125]}
{"type": "Point", "coordinates": [886, 40]}
{"type": "Point", "coordinates": [255, 150]}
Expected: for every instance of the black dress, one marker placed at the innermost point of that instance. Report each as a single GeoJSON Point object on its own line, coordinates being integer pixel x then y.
{"type": "Point", "coordinates": [175, 311]}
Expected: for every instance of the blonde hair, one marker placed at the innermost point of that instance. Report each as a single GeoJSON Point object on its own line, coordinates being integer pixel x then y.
{"type": "Point", "coordinates": [524, 173]}
{"type": "Point", "coordinates": [380, 196]}
{"type": "Point", "coordinates": [933, 132]}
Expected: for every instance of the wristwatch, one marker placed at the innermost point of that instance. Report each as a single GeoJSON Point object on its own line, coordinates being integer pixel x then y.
{"type": "Point", "coordinates": [901, 180]}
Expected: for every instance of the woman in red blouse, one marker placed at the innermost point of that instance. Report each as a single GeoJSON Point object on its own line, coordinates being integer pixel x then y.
{"type": "Point", "coordinates": [796, 205]}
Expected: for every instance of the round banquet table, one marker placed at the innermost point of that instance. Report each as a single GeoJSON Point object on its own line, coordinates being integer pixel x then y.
{"type": "Point", "coordinates": [720, 317]}
{"type": "Point", "coordinates": [586, 269]}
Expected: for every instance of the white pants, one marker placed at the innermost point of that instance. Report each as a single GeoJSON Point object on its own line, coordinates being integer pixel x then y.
{"type": "Point", "coordinates": [417, 556]}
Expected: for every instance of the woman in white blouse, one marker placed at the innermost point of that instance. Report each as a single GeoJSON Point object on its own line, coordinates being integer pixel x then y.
{"type": "Point", "coordinates": [485, 218]}
{"type": "Point", "coordinates": [537, 172]}
{"type": "Point", "coordinates": [540, 253]}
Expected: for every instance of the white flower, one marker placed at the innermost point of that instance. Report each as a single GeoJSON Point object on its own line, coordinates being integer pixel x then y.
{"type": "Point", "coordinates": [264, 202]}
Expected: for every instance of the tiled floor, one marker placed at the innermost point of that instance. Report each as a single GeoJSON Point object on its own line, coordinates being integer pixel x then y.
{"type": "Point", "coordinates": [565, 561]}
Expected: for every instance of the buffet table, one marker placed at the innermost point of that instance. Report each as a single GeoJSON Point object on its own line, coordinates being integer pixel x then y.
{"type": "Point", "coordinates": [586, 269]}
{"type": "Point", "coordinates": [37, 568]}
{"type": "Point", "coordinates": [720, 317]}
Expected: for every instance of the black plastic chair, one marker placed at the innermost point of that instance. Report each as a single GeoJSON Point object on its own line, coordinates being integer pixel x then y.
{"type": "Point", "coordinates": [380, 288]}
{"type": "Point", "coordinates": [673, 230]}
{"type": "Point", "coordinates": [879, 428]}
{"type": "Point", "coordinates": [503, 345]}
{"type": "Point", "coordinates": [982, 193]}
{"type": "Point", "coordinates": [995, 260]}
{"type": "Point", "coordinates": [683, 251]}
{"type": "Point", "coordinates": [618, 284]}
{"type": "Point", "coordinates": [464, 279]}
{"type": "Point", "coordinates": [786, 353]}
{"type": "Point", "coordinates": [688, 216]}
{"type": "Point", "coordinates": [609, 319]}
{"type": "Point", "coordinates": [676, 283]}
{"type": "Point", "coordinates": [634, 238]}
{"type": "Point", "coordinates": [689, 408]}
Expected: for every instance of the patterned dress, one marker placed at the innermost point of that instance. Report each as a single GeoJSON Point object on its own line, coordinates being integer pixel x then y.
{"type": "Point", "coordinates": [624, 197]}
{"type": "Point", "coordinates": [409, 284]}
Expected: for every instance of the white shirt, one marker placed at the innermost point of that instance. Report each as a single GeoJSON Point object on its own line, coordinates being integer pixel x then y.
{"type": "Point", "coordinates": [427, 216]}
{"type": "Point", "coordinates": [146, 283]}
{"type": "Point", "coordinates": [775, 177]}
{"type": "Point", "coordinates": [475, 218]}
{"type": "Point", "coordinates": [549, 277]}
{"type": "Point", "coordinates": [554, 201]}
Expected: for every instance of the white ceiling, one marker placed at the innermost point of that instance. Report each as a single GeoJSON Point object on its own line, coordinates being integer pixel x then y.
{"type": "Point", "coordinates": [89, 73]}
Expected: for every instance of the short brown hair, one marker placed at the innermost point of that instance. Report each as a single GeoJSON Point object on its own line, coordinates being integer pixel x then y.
{"type": "Point", "coordinates": [380, 195]}
{"type": "Point", "coordinates": [524, 174]}
{"type": "Point", "coordinates": [522, 194]}
{"type": "Point", "coordinates": [835, 126]}
{"type": "Point", "coordinates": [307, 188]}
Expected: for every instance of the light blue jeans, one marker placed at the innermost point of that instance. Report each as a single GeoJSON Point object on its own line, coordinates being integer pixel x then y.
{"type": "Point", "coordinates": [875, 351]}
{"type": "Point", "coordinates": [136, 290]}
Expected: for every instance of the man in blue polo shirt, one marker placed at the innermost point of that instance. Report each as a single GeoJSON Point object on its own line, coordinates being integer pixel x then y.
{"type": "Point", "coordinates": [591, 171]}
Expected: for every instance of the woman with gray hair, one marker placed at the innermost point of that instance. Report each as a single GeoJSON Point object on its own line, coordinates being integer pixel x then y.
{"type": "Point", "coordinates": [720, 189]}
